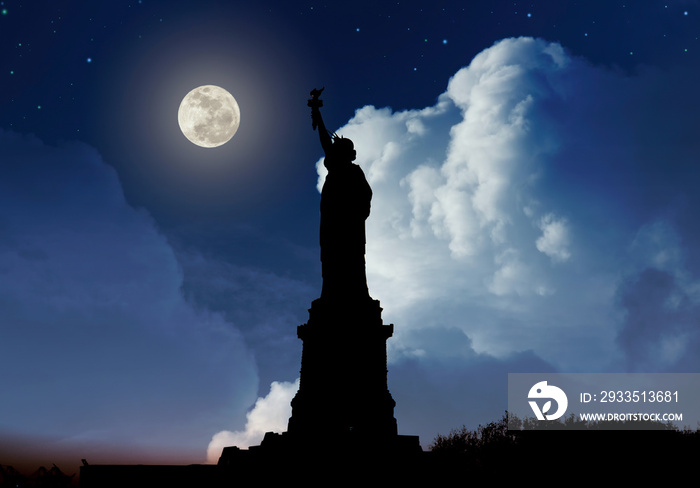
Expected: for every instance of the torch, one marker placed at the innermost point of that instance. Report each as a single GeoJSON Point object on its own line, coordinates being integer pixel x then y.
{"type": "Point", "coordinates": [315, 103]}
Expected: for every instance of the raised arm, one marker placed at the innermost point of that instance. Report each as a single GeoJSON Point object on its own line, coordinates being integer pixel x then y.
{"type": "Point", "coordinates": [323, 134]}
{"type": "Point", "coordinates": [317, 121]}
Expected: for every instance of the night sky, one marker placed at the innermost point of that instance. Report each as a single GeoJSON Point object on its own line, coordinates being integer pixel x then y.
{"type": "Point", "coordinates": [534, 168]}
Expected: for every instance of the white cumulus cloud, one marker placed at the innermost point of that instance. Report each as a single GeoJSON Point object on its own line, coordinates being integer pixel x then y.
{"type": "Point", "coordinates": [467, 210]}
{"type": "Point", "coordinates": [270, 414]}
{"type": "Point", "coordinates": [554, 241]}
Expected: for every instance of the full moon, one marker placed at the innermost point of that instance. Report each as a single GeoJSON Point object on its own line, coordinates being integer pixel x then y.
{"type": "Point", "coordinates": [209, 116]}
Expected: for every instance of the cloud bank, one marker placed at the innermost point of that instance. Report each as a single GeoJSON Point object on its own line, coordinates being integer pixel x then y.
{"type": "Point", "coordinates": [98, 341]}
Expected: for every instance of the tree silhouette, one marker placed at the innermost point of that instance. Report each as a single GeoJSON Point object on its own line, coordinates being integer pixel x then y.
{"type": "Point", "coordinates": [494, 435]}
{"type": "Point", "coordinates": [510, 447]}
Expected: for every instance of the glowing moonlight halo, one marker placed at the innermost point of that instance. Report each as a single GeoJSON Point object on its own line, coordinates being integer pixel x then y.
{"type": "Point", "coordinates": [209, 116]}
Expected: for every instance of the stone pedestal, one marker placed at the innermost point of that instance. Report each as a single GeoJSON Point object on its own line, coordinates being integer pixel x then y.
{"type": "Point", "coordinates": [343, 384]}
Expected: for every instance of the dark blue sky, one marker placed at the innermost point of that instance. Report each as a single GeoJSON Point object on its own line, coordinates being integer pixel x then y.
{"type": "Point", "coordinates": [534, 168]}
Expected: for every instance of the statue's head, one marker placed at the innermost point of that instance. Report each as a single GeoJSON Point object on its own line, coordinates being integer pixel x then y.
{"type": "Point", "coordinates": [344, 149]}
{"type": "Point", "coordinates": [341, 153]}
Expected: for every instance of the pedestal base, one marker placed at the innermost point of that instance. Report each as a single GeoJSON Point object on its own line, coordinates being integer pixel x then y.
{"type": "Point", "coordinates": [332, 461]}
{"type": "Point", "coordinates": [343, 380]}
{"type": "Point", "coordinates": [342, 425]}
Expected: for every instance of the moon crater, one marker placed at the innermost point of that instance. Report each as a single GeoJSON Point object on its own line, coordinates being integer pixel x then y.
{"type": "Point", "coordinates": [209, 116]}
